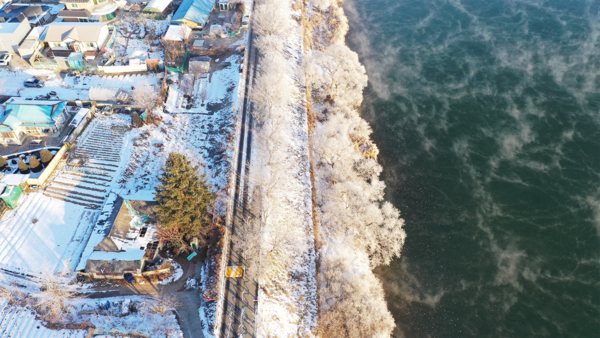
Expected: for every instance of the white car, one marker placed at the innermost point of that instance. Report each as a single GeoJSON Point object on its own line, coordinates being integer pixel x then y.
{"type": "Point", "coordinates": [5, 59]}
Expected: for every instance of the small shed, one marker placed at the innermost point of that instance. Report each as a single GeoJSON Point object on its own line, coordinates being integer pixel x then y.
{"type": "Point", "coordinates": [158, 9]}
{"type": "Point", "coordinates": [103, 94]}
{"type": "Point", "coordinates": [224, 5]}
{"type": "Point", "coordinates": [198, 44]}
{"type": "Point", "coordinates": [193, 13]}
{"type": "Point", "coordinates": [177, 33]}
{"type": "Point", "coordinates": [200, 64]}
{"type": "Point", "coordinates": [11, 189]}
{"type": "Point", "coordinates": [217, 30]}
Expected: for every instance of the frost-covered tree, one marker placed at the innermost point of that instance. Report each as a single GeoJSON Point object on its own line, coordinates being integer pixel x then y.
{"type": "Point", "coordinates": [339, 72]}
{"type": "Point", "coordinates": [163, 303]}
{"type": "Point", "coordinates": [272, 17]}
{"type": "Point", "coordinates": [183, 198]}
{"type": "Point", "coordinates": [271, 90]}
{"type": "Point", "coordinates": [145, 96]}
{"type": "Point", "coordinates": [53, 300]}
{"type": "Point", "coordinates": [351, 297]}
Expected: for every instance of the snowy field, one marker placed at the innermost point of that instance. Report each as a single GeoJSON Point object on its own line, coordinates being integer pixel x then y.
{"type": "Point", "coordinates": [43, 234]}
{"type": "Point", "coordinates": [21, 322]}
{"type": "Point", "coordinates": [49, 229]}
{"type": "Point", "coordinates": [203, 135]}
{"type": "Point", "coordinates": [69, 88]}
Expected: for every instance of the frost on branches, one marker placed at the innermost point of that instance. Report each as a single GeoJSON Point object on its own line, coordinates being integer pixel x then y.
{"type": "Point", "coordinates": [357, 229]}
{"type": "Point", "coordinates": [278, 242]}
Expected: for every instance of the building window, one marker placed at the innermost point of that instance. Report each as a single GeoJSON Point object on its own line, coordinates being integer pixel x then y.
{"type": "Point", "coordinates": [91, 44]}
{"type": "Point", "coordinates": [83, 20]}
{"type": "Point", "coordinates": [109, 16]}
{"type": "Point", "coordinates": [7, 134]}
{"type": "Point", "coordinates": [74, 6]}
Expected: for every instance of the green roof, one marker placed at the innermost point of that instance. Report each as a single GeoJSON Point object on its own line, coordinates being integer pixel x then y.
{"type": "Point", "coordinates": [31, 113]}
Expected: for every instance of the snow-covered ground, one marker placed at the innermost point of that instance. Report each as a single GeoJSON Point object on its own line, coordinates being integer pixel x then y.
{"type": "Point", "coordinates": [287, 297]}
{"type": "Point", "coordinates": [203, 136]}
{"type": "Point", "coordinates": [69, 88]}
{"type": "Point", "coordinates": [49, 229]}
{"type": "Point", "coordinates": [44, 234]}
{"type": "Point", "coordinates": [175, 276]}
{"type": "Point", "coordinates": [20, 322]}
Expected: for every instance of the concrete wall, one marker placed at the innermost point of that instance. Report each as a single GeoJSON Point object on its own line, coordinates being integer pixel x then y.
{"type": "Point", "coordinates": [9, 42]}
{"type": "Point", "coordinates": [123, 69]}
{"type": "Point", "coordinates": [49, 169]}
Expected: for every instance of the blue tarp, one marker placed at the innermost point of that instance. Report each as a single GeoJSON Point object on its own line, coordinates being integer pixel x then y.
{"type": "Point", "coordinates": [193, 10]}
{"type": "Point", "coordinates": [32, 114]}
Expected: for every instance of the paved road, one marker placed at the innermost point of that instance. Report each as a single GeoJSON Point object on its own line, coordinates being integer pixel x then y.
{"type": "Point", "coordinates": [240, 293]}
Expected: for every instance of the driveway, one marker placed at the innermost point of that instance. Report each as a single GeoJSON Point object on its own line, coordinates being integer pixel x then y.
{"type": "Point", "coordinates": [188, 300]}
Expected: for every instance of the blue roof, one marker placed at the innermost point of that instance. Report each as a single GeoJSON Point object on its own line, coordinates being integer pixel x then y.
{"type": "Point", "coordinates": [31, 114]}
{"type": "Point", "coordinates": [194, 10]}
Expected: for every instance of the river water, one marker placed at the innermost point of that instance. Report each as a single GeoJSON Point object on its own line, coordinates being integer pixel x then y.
{"type": "Point", "coordinates": [487, 115]}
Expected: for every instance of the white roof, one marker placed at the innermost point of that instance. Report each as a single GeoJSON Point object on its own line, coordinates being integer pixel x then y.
{"type": "Point", "coordinates": [14, 179]}
{"type": "Point", "coordinates": [85, 32]}
{"type": "Point", "coordinates": [160, 5]}
{"type": "Point", "coordinates": [103, 94]}
{"type": "Point", "coordinates": [79, 117]}
{"type": "Point", "coordinates": [177, 33]}
{"type": "Point", "coordinates": [11, 27]}
{"type": "Point", "coordinates": [36, 33]}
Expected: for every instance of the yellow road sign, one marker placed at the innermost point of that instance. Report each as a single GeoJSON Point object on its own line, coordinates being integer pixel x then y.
{"type": "Point", "coordinates": [234, 271]}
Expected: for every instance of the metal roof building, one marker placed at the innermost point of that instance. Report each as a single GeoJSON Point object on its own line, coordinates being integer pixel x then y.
{"type": "Point", "coordinates": [193, 13]}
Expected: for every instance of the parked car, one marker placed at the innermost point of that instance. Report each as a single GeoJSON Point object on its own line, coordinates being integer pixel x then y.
{"type": "Point", "coordinates": [5, 59]}
{"type": "Point", "coordinates": [34, 83]}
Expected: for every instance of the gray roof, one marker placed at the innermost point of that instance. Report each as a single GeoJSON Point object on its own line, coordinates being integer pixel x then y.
{"type": "Point", "coordinates": [83, 32]}
{"type": "Point", "coordinates": [103, 266]}
{"type": "Point", "coordinates": [74, 14]}
{"type": "Point", "coordinates": [119, 229]}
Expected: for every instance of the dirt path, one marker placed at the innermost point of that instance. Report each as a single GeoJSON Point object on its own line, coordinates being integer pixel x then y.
{"type": "Point", "coordinates": [187, 313]}
{"type": "Point", "coordinates": [189, 300]}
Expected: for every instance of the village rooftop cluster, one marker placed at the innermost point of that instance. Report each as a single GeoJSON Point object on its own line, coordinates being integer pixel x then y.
{"type": "Point", "coordinates": [94, 96]}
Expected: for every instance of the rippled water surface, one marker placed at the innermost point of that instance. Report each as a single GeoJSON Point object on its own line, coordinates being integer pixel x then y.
{"type": "Point", "coordinates": [487, 115]}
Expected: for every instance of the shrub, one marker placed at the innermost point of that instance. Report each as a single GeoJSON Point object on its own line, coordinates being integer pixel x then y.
{"type": "Point", "coordinates": [23, 167]}
{"type": "Point", "coordinates": [136, 120]}
{"type": "Point", "coordinates": [46, 156]}
{"type": "Point", "coordinates": [35, 164]}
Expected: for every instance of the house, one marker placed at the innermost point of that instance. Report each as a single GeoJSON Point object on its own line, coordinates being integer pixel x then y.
{"type": "Point", "coordinates": [177, 33]}
{"type": "Point", "coordinates": [158, 9]}
{"type": "Point", "coordinates": [193, 13]}
{"type": "Point", "coordinates": [32, 42]}
{"type": "Point", "coordinates": [224, 5]}
{"type": "Point", "coordinates": [65, 37]}
{"type": "Point", "coordinates": [22, 118]}
{"type": "Point", "coordinates": [37, 15]}
{"type": "Point", "coordinates": [12, 34]}
{"type": "Point", "coordinates": [129, 242]}
{"type": "Point", "coordinates": [88, 10]}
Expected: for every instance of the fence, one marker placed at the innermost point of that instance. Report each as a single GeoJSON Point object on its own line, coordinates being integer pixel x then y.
{"type": "Point", "coordinates": [123, 69]}
{"type": "Point", "coordinates": [49, 169]}
{"type": "Point", "coordinates": [232, 178]}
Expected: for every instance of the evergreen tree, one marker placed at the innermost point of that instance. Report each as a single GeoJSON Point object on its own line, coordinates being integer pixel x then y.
{"type": "Point", "coordinates": [23, 168]}
{"type": "Point", "coordinates": [35, 164]}
{"type": "Point", "coordinates": [3, 163]}
{"type": "Point", "coordinates": [183, 198]}
{"type": "Point", "coordinates": [46, 156]}
{"type": "Point", "coordinates": [137, 120]}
